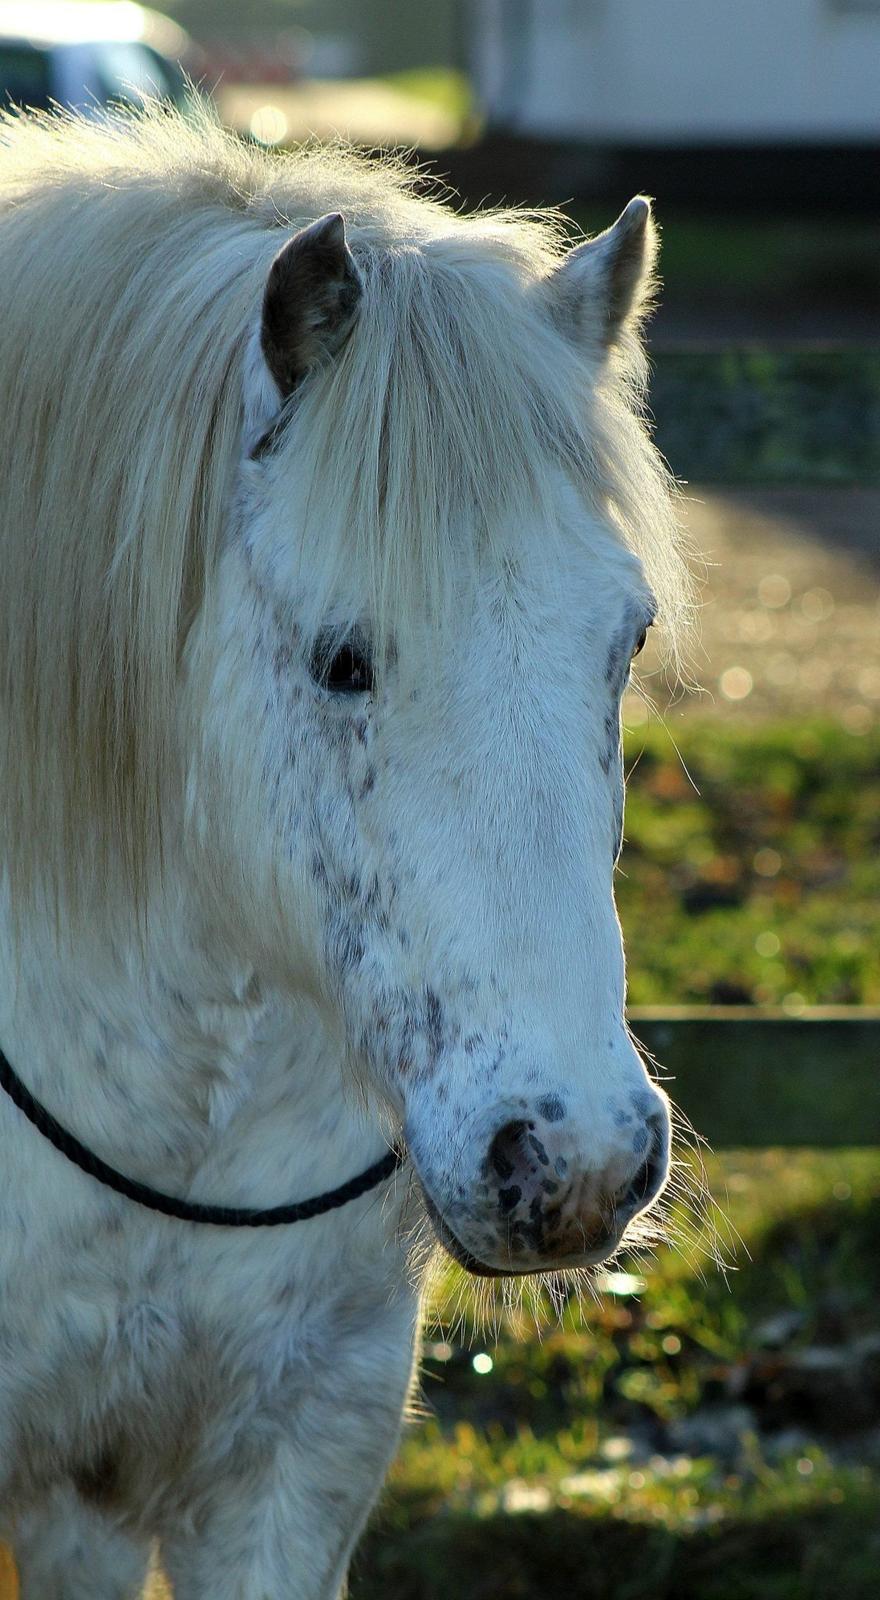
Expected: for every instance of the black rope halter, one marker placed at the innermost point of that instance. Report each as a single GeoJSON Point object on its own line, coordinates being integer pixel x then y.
{"type": "Point", "coordinates": [189, 1210]}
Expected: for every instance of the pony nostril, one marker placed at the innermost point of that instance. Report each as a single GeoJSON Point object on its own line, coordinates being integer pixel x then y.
{"type": "Point", "coordinates": [506, 1149]}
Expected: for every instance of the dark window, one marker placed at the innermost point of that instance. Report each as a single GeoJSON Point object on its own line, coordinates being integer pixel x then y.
{"type": "Point", "coordinates": [25, 75]}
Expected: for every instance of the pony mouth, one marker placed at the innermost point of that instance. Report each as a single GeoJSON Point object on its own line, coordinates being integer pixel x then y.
{"type": "Point", "coordinates": [454, 1248]}
{"type": "Point", "coordinates": [479, 1269]}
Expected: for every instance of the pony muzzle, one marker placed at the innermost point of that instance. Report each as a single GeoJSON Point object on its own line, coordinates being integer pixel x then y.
{"type": "Point", "coordinates": [541, 1204]}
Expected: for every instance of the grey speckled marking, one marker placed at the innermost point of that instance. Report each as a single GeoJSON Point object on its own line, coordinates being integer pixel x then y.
{"type": "Point", "coordinates": [644, 1103]}
{"type": "Point", "coordinates": [551, 1108]}
{"type": "Point", "coordinates": [434, 1025]}
{"type": "Point", "coordinates": [345, 946]}
{"type": "Point", "coordinates": [611, 750]}
{"type": "Point", "coordinates": [539, 1150]}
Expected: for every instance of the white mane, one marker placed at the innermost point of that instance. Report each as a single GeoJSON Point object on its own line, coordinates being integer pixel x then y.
{"type": "Point", "coordinates": [133, 254]}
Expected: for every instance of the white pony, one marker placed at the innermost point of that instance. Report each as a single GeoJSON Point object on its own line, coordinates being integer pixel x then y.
{"type": "Point", "coordinates": [325, 547]}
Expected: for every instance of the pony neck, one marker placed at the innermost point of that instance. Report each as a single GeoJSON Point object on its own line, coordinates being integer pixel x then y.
{"type": "Point", "coordinates": [176, 1065]}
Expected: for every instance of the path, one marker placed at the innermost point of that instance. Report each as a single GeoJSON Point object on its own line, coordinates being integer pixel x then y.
{"type": "Point", "coordinates": [790, 618]}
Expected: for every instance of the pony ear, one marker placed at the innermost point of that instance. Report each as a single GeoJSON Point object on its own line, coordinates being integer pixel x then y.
{"type": "Point", "coordinates": [310, 301]}
{"type": "Point", "coordinates": [607, 281]}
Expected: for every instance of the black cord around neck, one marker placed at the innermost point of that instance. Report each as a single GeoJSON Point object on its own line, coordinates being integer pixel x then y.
{"type": "Point", "coordinates": [189, 1210]}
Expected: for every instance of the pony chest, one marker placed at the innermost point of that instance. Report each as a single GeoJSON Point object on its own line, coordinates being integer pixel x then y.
{"type": "Point", "coordinates": [145, 1348]}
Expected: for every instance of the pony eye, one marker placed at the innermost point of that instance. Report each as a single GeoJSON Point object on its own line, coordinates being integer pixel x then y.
{"type": "Point", "coordinates": [348, 671]}
{"type": "Point", "coordinates": [640, 643]}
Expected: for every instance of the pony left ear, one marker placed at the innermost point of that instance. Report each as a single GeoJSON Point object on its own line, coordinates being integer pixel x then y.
{"type": "Point", "coordinates": [310, 302]}
{"type": "Point", "coordinates": [607, 281]}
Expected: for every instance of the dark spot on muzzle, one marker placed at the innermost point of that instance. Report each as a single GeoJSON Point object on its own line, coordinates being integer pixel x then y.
{"type": "Point", "coordinates": [551, 1108]}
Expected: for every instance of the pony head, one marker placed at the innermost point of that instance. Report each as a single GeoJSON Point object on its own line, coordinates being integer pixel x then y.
{"type": "Point", "coordinates": [389, 752]}
{"type": "Point", "coordinates": [425, 622]}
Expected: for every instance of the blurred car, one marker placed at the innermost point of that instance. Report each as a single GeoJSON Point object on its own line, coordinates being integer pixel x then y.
{"type": "Point", "coordinates": [82, 54]}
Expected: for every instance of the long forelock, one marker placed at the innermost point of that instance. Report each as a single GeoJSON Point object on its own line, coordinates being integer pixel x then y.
{"type": "Point", "coordinates": [443, 427]}
{"type": "Point", "coordinates": [133, 251]}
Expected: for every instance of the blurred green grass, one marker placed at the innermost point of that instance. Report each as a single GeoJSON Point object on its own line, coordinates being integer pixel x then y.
{"type": "Point", "coordinates": [760, 257]}
{"type": "Point", "coordinates": [751, 867]}
{"type": "Point", "coordinates": [567, 1451]}
{"type": "Point", "coordinates": [442, 86]}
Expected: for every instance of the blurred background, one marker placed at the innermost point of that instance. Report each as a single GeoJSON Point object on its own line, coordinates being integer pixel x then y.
{"type": "Point", "coordinates": [707, 1425]}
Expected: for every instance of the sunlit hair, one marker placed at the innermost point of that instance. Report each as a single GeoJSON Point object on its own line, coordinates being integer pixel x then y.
{"type": "Point", "coordinates": [133, 255]}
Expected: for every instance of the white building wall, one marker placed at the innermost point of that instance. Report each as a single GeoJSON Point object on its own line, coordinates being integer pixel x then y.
{"type": "Point", "coordinates": [680, 71]}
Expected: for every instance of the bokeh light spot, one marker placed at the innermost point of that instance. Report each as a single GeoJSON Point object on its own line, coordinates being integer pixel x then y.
{"type": "Point", "coordinates": [619, 1283]}
{"type": "Point", "coordinates": [766, 862]}
{"type": "Point", "coordinates": [774, 591]}
{"type": "Point", "coordinates": [868, 682]}
{"type": "Point", "coordinates": [268, 124]}
{"type": "Point", "coordinates": [817, 605]}
{"type": "Point", "coordinates": [857, 719]}
{"type": "Point", "coordinates": [736, 683]}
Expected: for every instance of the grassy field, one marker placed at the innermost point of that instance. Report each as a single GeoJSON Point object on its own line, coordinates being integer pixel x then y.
{"type": "Point", "coordinates": [751, 868]}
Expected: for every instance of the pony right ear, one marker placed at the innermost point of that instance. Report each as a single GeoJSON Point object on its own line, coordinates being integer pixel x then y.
{"type": "Point", "coordinates": [310, 302]}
